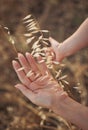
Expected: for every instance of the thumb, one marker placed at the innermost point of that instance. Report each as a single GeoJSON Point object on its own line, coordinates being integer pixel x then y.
{"type": "Point", "coordinates": [54, 43]}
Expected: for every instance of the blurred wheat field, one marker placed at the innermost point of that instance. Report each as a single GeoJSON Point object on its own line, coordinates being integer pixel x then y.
{"type": "Point", "coordinates": [61, 18]}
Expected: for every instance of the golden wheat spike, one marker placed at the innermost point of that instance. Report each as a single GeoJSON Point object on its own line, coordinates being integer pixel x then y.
{"type": "Point", "coordinates": [28, 21]}
{"type": "Point", "coordinates": [27, 17]}
{"type": "Point", "coordinates": [29, 40]}
{"type": "Point", "coordinates": [41, 42]}
{"type": "Point", "coordinates": [27, 34]}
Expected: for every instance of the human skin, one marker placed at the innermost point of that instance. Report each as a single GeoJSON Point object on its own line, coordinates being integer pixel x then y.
{"type": "Point", "coordinates": [48, 95]}
{"type": "Point", "coordinates": [71, 45]}
{"type": "Point", "coordinates": [44, 94]}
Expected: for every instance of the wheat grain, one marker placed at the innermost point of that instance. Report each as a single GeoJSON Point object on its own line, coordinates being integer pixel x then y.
{"type": "Point", "coordinates": [36, 55]}
{"type": "Point", "coordinates": [52, 53]}
{"type": "Point", "coordinates": [56, 62]}
{"type": "Point", "coordinates": [42, 54]}
{"type": "Point", "coordinates": [27, 17]}
{"type": "Point", "coordinates": [27, 35]}
{"type": "Point", "coordinates": [31, 23]}
{"type": "Point", "coordinates": [45, 39]}
{"type": "Point", "coordinates": [35, 44]}
{"type": "Point", "coordinates": [41, 61]}
{"type": "Point", "coordinates": [20, 69]}
{"type": "Point", "coordinates": [11, 40]}
{"type": "Point", "coordinates": [34, 32]}
{"type": "Point", "coordinates": [8, 32]}
{"type": "Point", "coordinates": [44, 49]}
{"type": "Point", "coordinates": [45, 42]}
{"type": "Point", "coordinates": [6, 28]}
{"type": "Point", "coordinates": [38, 50]}
{"type": "Point", "coordinates": [37, 47]}
{"type": "Point", "coordinates": [76, 88]}
{"type": "Point", "coordinates": [33, 52]}
{"type": "Point", "coordinates": [63, 77]}
{"type": "Point", "coordinates": [29, 73]}
{"type": "Point", "coordinates": [37, 75]}
{"type": "Point", "coordinates": [45, 31]}
{"type": "Point", "coordinates": [50, 66]}
{"type": "Point", "coordinates": [43, 78]}
{"type": "Point", "coordinates": [49, 58]}
{"type": "Point", "coordinates": [61, 84]}
{"type": "Point", "coordinates": [29, 40]}
{"type": "Point", "coordinates": [58, 73]}
{"type": "Point", "coordinates": [47, 73]}
{"type": "Point", "coordinates": [48, 62]}
{"type": "Point", "coordinates": [62, 65]}
{"type": "Point", "coordinates": [28, 21]}
{"type": "Point", "coordinates": [66, 82]}
{"type": "Point", "coordinates": [32, 29]}
{"type": "Point", "coordinates": [40, 38]}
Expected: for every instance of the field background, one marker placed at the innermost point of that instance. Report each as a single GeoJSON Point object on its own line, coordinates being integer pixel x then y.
{"type": "Point", "coordinates": [61, 18]}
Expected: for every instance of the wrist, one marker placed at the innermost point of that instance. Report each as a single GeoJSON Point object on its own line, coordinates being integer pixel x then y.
{"type": "Point", "coordinates": [59, 103]}
{"type": "Point", "coordinates": [60, 53]}
{"type": "Point", "coordinates": [65, 107]}
{"type": "Point", "coordinates": [72, 111]}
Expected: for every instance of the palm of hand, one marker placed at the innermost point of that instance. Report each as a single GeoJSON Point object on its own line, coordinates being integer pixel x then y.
{"type": "Point", "coordinates": [42, 90]}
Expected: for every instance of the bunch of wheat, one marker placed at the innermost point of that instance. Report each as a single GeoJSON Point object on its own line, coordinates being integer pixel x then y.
{"type": "Point", "coordinates": [40, 40]}
{"type": "Point", "coordinates": [37, 41]}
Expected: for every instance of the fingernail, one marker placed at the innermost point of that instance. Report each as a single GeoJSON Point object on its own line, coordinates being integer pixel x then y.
{"type": "Point", "coordinates": [19, 54]}
{"type": "Point", "coordinates": [16, 86]}
{"type": "Point", "coordinates": [64, 95]}
{"type": "Point", "coordinates": [56, 62]}
{"type": "Point", "coordinates": [27, 53]}
{"type": "Point", "coordinates": [13, 61]}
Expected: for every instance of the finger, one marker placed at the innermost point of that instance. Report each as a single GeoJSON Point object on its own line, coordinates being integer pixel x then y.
{"type": "Point", "coordinates": [34, 86]}
{"type": "Point", "coordinates": [40, 83]}
{"type": "Point", "coordinates": [54, 43]}
{"type": "Point", "coordinates": [26, 66]}
{"type": "Point", "coordinates": [42, 66]}
{"type": "Point", "coordinates": [39, 98]}
{"type": "Point", "coordinates": [21, 75]}
{"type": "Point", "coordinates": [29, 94]}
{"type": "Point", "coordinates": [50, 52]}
{"type": "Point", "coordinates": [32, 62]}
{"type": "Point", "coordinates": [43, 80]}
{"type": "Point", "coordinates": [23, 62]}
{"type": "Point", "coordinates": [55, 46]}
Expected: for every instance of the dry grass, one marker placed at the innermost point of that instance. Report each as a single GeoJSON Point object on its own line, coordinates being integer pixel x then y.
{"type": "Point", "coordinates": [37, 41]}
{"type": "Point", "coordinates": [15, 110]}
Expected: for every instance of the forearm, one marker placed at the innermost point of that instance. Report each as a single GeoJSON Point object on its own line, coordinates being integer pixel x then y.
{"type": "Point", "coordinates": [75, 42]}
{"type": "Point", "coordinates": [73, 112]}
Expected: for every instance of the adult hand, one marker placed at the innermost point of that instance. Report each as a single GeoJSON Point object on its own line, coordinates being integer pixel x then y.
{"type": "Point", "coordinates": [37, 84]}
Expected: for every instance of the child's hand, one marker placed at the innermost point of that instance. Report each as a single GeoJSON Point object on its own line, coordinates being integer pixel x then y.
{"type": "Point", "coordinates": [56, 49]}
{"type": "Point", "coordinates": [38, 84]}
